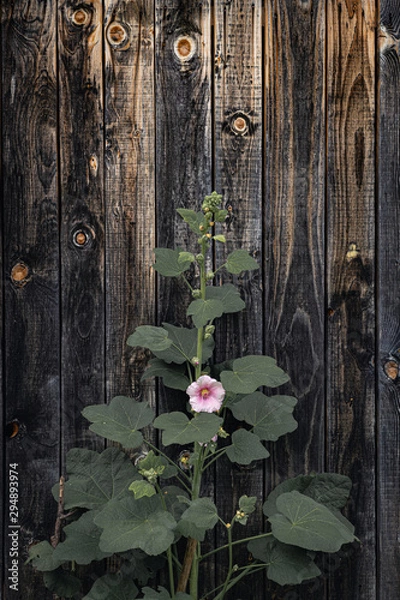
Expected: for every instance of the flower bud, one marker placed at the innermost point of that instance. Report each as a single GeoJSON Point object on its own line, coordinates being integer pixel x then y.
{"type": "Point", "coordinates": [195, 361]}
{"type": "Point", "coordinates": [209, 329]}
{"type": "Point", "coordinates": [210, 275]}
{"type": "Point", "coordinates": [200, 258]}
{"type": "Point", "coordinates": [196, 294]}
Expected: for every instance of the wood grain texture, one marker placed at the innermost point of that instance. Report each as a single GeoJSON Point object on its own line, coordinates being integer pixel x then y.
{"type": "Point", "coordinates": [31, 275]}
{"type": "Point", "coordinates": [129, 190]}
{"type": "Point", "coordinates": [82, 223]}
{"type": "Point", "coordinates": [294, 231]}
{"type": "Point", "coordinates": [388, 251]}
{"type": "Point", "coordinates": [238, 177]}
{"type": "Point", "coordinates": [350, 279]}
{"type": "Point", "coordinates": [183, 152]}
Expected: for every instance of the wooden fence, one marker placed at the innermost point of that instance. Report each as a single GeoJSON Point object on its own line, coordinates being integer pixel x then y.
{"type": "Point", "coordinates": [116, 112]}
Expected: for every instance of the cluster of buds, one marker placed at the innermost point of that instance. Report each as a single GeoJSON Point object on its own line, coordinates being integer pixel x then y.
{"type": "Point", "coordinates": [212, 209]}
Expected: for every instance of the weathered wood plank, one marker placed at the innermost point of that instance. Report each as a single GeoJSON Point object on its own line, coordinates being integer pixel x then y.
{"type": "Point", "coordinates": [294, 230]}
{"type": "Point", "coordinates": [388, 304]}
{"type": "Point", "coordinates": [350, 279]}
{"type": "Point", "coordinates": [183, 149]}
{"type": "Point", "coordinates": [31, 276]}
{"type": "Point", "coordinates": [238, 177]}
{"type": "Point", "coordinates": [129, 189]}
{"type": "Point", "coordinates": [82, 223]}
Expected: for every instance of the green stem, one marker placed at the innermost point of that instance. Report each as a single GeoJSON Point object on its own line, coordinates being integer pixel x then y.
{"type": "Point", "coordinates": [215, 457]}
{"type": "Point", "coordinates": [242, 541]}
{"type": "Point", "coordinates": [245, 571]}
{"type": "Point", "coordinates": [230, 559]}
{"type": "Point", "coordinates": [169, 551]}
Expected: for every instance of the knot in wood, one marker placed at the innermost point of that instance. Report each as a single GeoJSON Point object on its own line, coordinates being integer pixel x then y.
{"type": "Point", "coordinates": [184, 48]}
{"type": "Point", "coordinates": [81, 17]}
{"type": "Point", "coordinates": [93, 164]}
{"type": "Point", "coordinates": [240, 123]}
{"type": "Point", "coordinates": [391, 369]}
{"type": "Point", "coordinates": [82, 236]}
{"type": "Point", "coordinates": [20, 274]}
{"type": "Point", "coordinates": [12, 429]}
{"type": "Point", "coordinates": [118, 35]}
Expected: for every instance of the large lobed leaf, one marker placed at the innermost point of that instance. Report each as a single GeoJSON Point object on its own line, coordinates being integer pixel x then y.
{"type": "Point", "coordinates": [169, 262]}
{"type": "Point", "coordinates": [174, 376]}
{"type": "Point", "coordinates": [240, 260]}
{"type": "Point", "coordinates": [330, 489]}
{"type": "Point", "coordinates": [42, 557]}
{"type": "Point", "coordinates": [184, 345]}
{"type": "Point", "coordinates": [179, 429]}
{"type": "Point", "coordinates": [121, 420]}
{"type": "Point", "coordinates": [95, 478]}
{"type": "Point", "coordinates": [113, 587]}
{"type": "Point", "coordinates": [131, 523]}
{"type": "Point", "coordinates": [204, 311]}
{"type": "Point", "coordinates": [245, 448]}
{"type": "Point", "coordinates": [163, 594]}
{"type": "Point", "coordinates": [228, 295]}
{"type": "Point", "coordinates": [82, 541]}
{"type": "Point", "coordinates": [287, 565]}
{"type": "Point", "coordinates": [250, 372]}
{"type": "Point", "coordinates": [271, 416]}
{"type": "Point", "coordinates": [300, 521]}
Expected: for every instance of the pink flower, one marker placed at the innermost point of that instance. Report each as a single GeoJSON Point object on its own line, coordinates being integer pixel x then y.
{"type": "Point", "coordinates": [206, 394]}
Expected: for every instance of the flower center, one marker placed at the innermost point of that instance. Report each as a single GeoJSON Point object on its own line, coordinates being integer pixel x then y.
{"type": "Point", "coordinates": [205, 392]}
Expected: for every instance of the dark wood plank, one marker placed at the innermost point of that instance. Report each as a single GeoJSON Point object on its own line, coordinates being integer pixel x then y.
{"type": "Point", "coordinates": [388, 305]}
{"type": "Point", "coordinates": [31, 276]}
{"type": "Point", "coordinates": [238, 169]}
{"type": "Point", "coordinates": [129, 190]}
{"type": "Point", "coordinates": [183, 151]}
{"type": "Point", "coordinates": [294, 231]}
{"type": "Point", "coordinates": [350, 280]}
{"type": "Point", "coordinates": [82, 223]}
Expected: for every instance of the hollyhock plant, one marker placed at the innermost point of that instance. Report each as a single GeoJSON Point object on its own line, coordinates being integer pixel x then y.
{"type": "Point", "coordinates": [206, 394]}
{"type": "Point", "coordinates": [138, 500]}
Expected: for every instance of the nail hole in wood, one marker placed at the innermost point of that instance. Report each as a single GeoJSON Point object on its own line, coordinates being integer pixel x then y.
{"type": "Point", "coordinates": [117, 35]}
{"type": "Point", "coordinates": [20, 274]}
{"type": "Point", "coordinates": [12, 429]}
{"type": "Point", "coordinates": [184, 48]}
{"type": "Point", "coordinates": [80, 17]}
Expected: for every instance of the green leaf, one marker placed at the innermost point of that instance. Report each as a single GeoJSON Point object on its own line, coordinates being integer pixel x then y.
{"type": "Point", "coordinates": [173, 375]}
{"type": "Point", "coordinates": [203, 311]}
{"type": "Point", "coordinates": [141, 489]}
{"type": "Point", "coordinates": [131, 523]}
{"type": "Point", "coordinates": [184, 345]}
{"type": "Point", "coordinates": [168, 263]}
{"type": "Point", "coordinates": [247, 504]}
{"type": "Point", "coordinates": [245, 448]}
{"type": "Point", "coordinates": [162, 594]}
{"type": "Point", "coordinates": [62, 583]}
{"type": "Point", "coordinates": [271, 417]}
{"type": "Point", "coordinates": [220, 238]}
{"type": "Point", "coordinates": [82, 541]}
{"type": "Point", "coordinates": [202, 512]}
{"type": "Point", "coordinates": [95, 478]}
{"type": "Point", "coordinates": [228, 294]}
{"type": "Point", "coordinates": [330, 489]}
{"type": "Point", "coordinates": [113, 587]}
{"type": "Point", "coordinates": [42, 557]}
{"type": "Point", "coordinates": [240, 260]}
{"type": "Point", "coordinates": [195, 220]}
{"type": "Point", "coordinates": [153, 466]}
{"type": "Point", "coordinates": [287, 565]}
{"type": "Point", "coordinates": [147, 336]}
{"type": "Point", "coordinates": [178, 429]}
{"type": "Point", "coordinates": [251, 372]}
{"type": "Point", "coordinates": [305, 523]}
{"type": "Point", "coordinates": [120, 420]}
{"type": "Point", "coordinates": [190, 530]}
{"type": "Point", "coordinates": [185, 257]}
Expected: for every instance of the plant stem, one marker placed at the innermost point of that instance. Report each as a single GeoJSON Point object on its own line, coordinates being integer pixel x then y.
{"type": "Point", "coordinates": [169, 550]}
{"type": "Point", "coordinates": [215, 457]}
{"type": "Point", "coordinates": [242, 541]}
{"type": "Point", "coordinates": [245, 571]}
{"type": "Point", "coordinates": [230, 558]}
{"type": "Point", "coordinates": [171, 462]}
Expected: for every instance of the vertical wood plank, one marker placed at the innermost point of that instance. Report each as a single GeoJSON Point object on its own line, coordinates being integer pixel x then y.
{"type": "Point", "coordinates": [129, 188]}
{"type": "Point", "coordinates": [294, 231]}
{"type": "Point", "coordinates": [31, 277]}
{"type": "Point", "coordinates": [388, 438]}
{"type": "Point", "coordinates": [350, 279]}
{"type": "Point", "coordinates": [183, 152]}
{"type": "Point", "coordinates": [238, 177]}
{"type": "Point", "coordinates": [82, 225]}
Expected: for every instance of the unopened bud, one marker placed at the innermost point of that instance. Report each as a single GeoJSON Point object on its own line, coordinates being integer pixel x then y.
{"type": "Point", "coordinates": [210, 275]}
{"type": "Point", "coordinates": [196, 294]}
{"type": "Point", "coordinates": [195, 361]}
{"type": "Point", "coordinates": [209, 329]}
